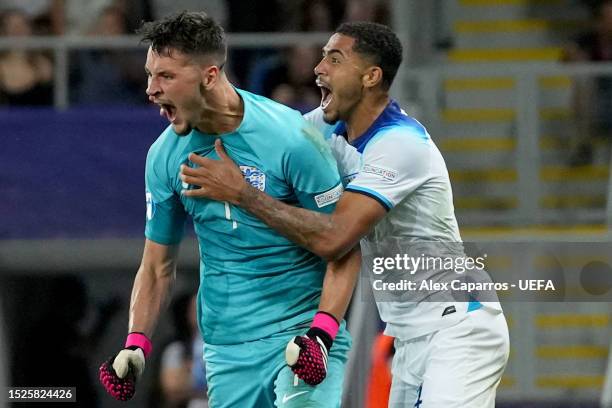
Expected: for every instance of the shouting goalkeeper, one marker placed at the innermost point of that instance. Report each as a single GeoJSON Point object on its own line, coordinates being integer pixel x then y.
{"type": "Point", "coordinates": [260, 294]}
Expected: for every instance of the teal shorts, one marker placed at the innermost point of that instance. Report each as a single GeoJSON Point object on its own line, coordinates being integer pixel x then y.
{"type": "Point", "coordinates": [255, 374]}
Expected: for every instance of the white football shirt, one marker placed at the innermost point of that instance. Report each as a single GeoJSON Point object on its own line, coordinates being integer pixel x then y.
{"type": "Point", "coordinates": [396, 163]}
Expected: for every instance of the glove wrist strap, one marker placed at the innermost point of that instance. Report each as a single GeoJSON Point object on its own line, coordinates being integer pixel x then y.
{"type": "Point", "coordinates": [327, 323]}
{"type": "Point", "coordinates": [137, 339]}
{"type": "Point", "coordinates": [325, 326]}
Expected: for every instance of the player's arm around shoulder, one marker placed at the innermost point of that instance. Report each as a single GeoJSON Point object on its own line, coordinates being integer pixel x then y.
{"type": "Point", "coordinates": [354, 217]}
{"type": "Point", "coordinates": [330, 223]}
{"type": "Point", "coordinates": [392, 166]}
{"type": "Point", "coordinates": [343, 217]}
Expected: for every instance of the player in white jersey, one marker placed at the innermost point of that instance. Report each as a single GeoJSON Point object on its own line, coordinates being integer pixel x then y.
{"type": "Point", "coordinates": [448, 353]}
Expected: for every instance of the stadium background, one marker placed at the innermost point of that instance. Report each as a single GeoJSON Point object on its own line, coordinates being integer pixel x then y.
{"type": "Point", "coordinates": [483, 75]}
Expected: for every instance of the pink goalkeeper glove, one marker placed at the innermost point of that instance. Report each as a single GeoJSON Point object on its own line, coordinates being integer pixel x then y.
{"type": "Point", "coordinates": [118, 374]}
{"type": "Point", "coordinates": [307, 355]}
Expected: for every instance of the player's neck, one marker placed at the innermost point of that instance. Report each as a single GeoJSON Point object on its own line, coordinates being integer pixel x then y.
{"type": "Point", "coordinates": [365, 113]}
{"type": "Point", "coordinates": [223, 110]}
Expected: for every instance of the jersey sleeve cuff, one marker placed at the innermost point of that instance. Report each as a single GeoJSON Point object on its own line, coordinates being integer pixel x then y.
{"type": "Point", "coordinates": [372, 194]}
{"type": "Point", "coordinates": [162, 239]}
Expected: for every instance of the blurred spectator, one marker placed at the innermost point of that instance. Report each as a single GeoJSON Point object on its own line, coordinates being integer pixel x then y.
{"type": "Point", "coordinates": [217, 9]}
{"type": "Point", "coordinates": [250, 16]}
{"type": "Point", "coordinates": [77, 17]}
{"type": "Point", "coordinates": [367, 10]}
{"type": "Point", "coordinates": [289, 79]}
{"type": "Point", "coordinates": [297, 15]}
{"type": "Point", "coordinates": [109, 76]}
{"type": "Point", "coordinates": [25, 76]}
{"type": "Point", "coordinates": [38, 12]}
{"type": "Point", "coordinates": [316, 16]}
{"type": "Point", "coordinates": [593, 96]}
{"type": "Point", "coordinates": [135, 12]}
{"type": "Point", "coordinates": [311, 15]}
{"type": "Point", "coordinates": [31, 8]}
{"type": "Point", "coordinates": [182, 376]}
{"type": "Point", "coordinates": [110, 22]}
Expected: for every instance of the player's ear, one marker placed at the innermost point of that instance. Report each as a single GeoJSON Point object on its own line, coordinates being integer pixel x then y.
{"type": "Point", "coordinates": [210, 75]}
{"type": "Point", "coordinates": [372, 77]}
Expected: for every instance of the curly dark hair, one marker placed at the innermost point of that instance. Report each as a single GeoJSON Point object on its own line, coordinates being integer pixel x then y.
{"type": "Point", "coordinates": [377, 42]}
{"type": "Point", "coordinates": [190, 32]}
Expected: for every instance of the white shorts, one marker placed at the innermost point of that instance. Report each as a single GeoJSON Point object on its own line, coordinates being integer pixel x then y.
{"type": "Point", "coordinates": [456, 367]}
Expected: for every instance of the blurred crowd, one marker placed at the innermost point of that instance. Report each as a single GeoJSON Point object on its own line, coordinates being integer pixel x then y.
{"type": "Point", "coordinates": [592, 99]}
{"type": "Point", "coordinates": [115, 76]}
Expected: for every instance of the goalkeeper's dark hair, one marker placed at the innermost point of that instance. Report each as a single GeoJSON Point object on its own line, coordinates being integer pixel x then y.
{"type": "Point", "coordinates": [377, 42]}
{"type": "Point", "coordinates": [190, 32]}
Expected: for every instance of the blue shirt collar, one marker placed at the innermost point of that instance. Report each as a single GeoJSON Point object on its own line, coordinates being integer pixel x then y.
{"type": "Point", "coordinates": [392, 115]}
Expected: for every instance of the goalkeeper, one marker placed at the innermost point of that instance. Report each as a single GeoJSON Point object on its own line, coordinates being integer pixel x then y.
{"type": "Point", "coordinates": [258, 290]}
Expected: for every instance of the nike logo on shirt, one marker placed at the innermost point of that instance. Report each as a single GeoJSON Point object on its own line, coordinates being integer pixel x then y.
{"type": "Point", "coordinates": [289, 397]}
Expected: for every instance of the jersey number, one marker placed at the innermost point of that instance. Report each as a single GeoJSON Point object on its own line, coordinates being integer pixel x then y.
{"type": "Point", "coordinates": [228, 215]}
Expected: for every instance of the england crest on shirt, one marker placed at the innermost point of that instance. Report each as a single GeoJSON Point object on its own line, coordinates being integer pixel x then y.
{"type": "Point", "coordinates": [254, 177]}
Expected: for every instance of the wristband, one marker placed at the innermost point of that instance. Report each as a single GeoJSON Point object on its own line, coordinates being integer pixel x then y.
{"type": "Point", "coordinates": [137, 339]}
{"type": "Point", "coordinates": [327, 323]}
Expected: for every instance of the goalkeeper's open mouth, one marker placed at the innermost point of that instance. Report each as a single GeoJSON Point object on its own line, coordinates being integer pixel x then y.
{"type": "Point", "coordinates": [168, 111]}
{"type": "Point", "coordinates": [326, 94]}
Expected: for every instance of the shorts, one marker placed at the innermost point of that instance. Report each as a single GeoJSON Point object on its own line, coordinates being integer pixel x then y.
{"type": "Point", "coordinates": [255, 374]}
{"type": "Point", "coordinates": [456, 367]}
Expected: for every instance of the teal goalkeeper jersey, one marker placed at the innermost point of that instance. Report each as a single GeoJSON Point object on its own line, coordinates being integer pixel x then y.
{"type": "Point", "coordinates": [253, 281]}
